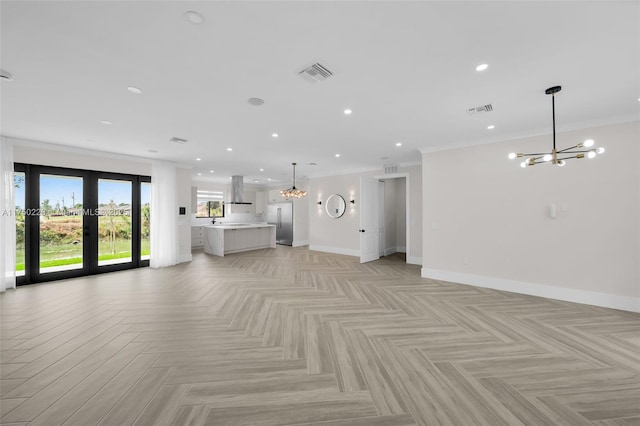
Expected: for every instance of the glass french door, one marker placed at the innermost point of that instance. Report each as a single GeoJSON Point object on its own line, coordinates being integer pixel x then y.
{"type": "Point", "coordinates": [60, 228]}
{"type": "Point", "coordinates": [78, 222]}
{"type": "Point", "coordinates": [115, 243]}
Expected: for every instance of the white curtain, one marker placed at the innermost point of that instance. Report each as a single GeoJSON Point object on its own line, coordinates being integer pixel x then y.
{"type": "Point", "coordinates": [164, 215]}
{"type": "Point", "coordinates": [7, 218]}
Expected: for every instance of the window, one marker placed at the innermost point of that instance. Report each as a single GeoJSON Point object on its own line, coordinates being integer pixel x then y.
{"type": "Point", "coordinates": [210, 204]}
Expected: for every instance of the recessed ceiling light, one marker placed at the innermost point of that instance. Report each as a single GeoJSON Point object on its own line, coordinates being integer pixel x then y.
{"type": "Point", "coordinates": [6, 75]}
{"type": "Point", "coordinates": [491, 127]}
{"type": "Point", "coordinates": [108, 123]}
{"type": "Point", "coordinates": [211, 171]}
{"type": "Point", "coordinates": [337, 155]}
{"type": "Point", "coordinates": [198, 159]}
{"type": "Point", "coordinates": [134, 90]}
{"type": "Point", "coordinates": [255, 101]}
{"type": "Point", "coordinates": [274, 135]}
{"type": "Point", "coordinates": [255, 180]}
{"type": "Point", "coordinates": [229, 149]}
{"type": "Point", "coordinates": [269, 179]}
{"type": "Point", "coordinates": [398, 143]}
{"type": "Point", "coordinates": [482, 67]}
{"type": "Point", "coordinates": [199, 174]}
{"type": "Point", "coordinates": [262, 170]}
{"type": "Point", "coordinates": [347, 112]}
{"type": "Point", "coordinates": [194, 17]}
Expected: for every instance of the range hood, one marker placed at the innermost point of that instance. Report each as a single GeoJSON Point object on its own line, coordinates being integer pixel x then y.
{"type": "Point", "coordinates": [237, 190]}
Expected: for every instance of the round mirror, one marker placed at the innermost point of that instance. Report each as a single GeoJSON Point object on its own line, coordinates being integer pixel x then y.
{"type": "Point", "coordinates": [335, 206]}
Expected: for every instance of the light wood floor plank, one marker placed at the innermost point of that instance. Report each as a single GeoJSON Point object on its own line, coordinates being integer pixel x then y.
{"type": "Point", "coordinates": [292, 336]}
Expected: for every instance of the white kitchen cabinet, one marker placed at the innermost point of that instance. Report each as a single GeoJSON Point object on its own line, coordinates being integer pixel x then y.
{"type": "Point", "coordinates": [197, 236]}
{"type": "Point", "coordinates": [223, 239]}
{"type": "Point", "coordinates": [240, 208]}
{"type": "Point", "coordinates": [264, 236]}
{"type": "Point", "coordinates": [261, 202]}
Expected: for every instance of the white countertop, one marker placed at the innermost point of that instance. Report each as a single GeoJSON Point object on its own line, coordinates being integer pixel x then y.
{"type": "Point", "coordinates": [239, 226]}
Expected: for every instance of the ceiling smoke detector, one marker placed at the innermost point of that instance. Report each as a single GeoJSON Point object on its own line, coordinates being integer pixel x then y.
{"type": "Point", "coordinates": [178, 140]}
{"type": "Point", "coordinates": [315, 73]}
{"type": "Point", "coordinates": [480, 110]}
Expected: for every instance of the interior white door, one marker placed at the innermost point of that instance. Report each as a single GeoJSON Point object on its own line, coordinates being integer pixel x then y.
{"type": "Point", "coordinates": [369, 218]}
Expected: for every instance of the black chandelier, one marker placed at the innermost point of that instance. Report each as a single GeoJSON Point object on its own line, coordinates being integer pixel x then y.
{"type": "Point", "coordinates": [558, 157]}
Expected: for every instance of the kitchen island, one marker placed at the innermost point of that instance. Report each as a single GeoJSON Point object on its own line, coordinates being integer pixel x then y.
{"type": "Point", "coordinates": [232, 238]}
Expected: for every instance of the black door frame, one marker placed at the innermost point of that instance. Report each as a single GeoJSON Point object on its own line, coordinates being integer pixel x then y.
{"type": "Point", "coordinates": [89, 222]}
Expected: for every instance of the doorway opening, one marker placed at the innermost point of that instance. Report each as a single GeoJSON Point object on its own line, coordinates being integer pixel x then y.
{"type": "Point", "coordinates": [385, 217]}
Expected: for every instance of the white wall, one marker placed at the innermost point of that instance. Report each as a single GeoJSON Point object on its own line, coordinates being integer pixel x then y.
{"type": "Point", "coordinates": [183, 178]}
{"type": "Point", "coordinates": [334, 235]}
{"type": "Point", "coordinates": [301, 219]}
{"type": "Point", "coordinates": [341, 235]}
{"type": "Point", "coordinates": [44, 154]}
{"type": "Point", "coordinates": [487, 220]}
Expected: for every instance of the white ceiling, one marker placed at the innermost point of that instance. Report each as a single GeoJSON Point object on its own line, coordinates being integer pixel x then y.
{"type": "Point", "coordinates": [406, 69]}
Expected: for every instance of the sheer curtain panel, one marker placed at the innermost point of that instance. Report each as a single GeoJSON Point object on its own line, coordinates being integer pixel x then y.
{"type": "Point", "coordinates": [164, 215]}
{"type": "Point", "coordinates": [7, 218]}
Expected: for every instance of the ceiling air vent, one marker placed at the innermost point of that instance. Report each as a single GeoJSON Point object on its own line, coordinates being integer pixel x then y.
{"type": "Point", "coordinates": [178, 140]}
{"type": "Point", "coordinates": [316, 72]}
{"type": "Point", "coordinates": [480, 110]}
{"type": "Point", "coordinates": [390, 169]}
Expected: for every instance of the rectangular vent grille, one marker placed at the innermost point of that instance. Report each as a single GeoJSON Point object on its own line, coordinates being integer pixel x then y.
{"type": "Point", "coordinates": [390, 169]}
{"type": "Point", "coordinates": [480, 110]}
{"type": "Point", "coordinates": [178, 140]}
{"type": "Point", "coordinates": [316, 72]}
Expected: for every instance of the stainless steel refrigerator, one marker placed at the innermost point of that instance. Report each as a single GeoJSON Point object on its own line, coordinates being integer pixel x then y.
{"type": "Point", "coordinates": [281, 215]}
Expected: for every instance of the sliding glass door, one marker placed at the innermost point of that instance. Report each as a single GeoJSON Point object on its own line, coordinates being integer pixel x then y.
{"type": "Point", "coordinates": [73, 222]}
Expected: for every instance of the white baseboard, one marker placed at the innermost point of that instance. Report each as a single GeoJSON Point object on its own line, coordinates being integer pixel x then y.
{"type": "Point", "coordinates": [605, 300]}
{"type": "Point", "coordinates": [185, 258]}
{"type": "Point", "coordinates": [414, 260]}
{"type": "Point", "coordinates": [335, 250]}
{"type": "Point", "coordinates": [300, 243]}
{"type": "Point", "coordinates": [391, 250]}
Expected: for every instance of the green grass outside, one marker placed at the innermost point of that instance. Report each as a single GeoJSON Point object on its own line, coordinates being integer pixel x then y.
{"type": "Point", "coordinates": [71, 254]}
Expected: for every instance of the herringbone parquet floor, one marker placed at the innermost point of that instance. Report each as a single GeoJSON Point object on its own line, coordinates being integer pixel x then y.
{"type": "Point", "coordinates": [291, 336]}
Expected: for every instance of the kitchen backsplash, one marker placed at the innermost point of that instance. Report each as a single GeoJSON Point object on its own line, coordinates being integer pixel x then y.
{"type": "Point", "coordinates": [229, 217]}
